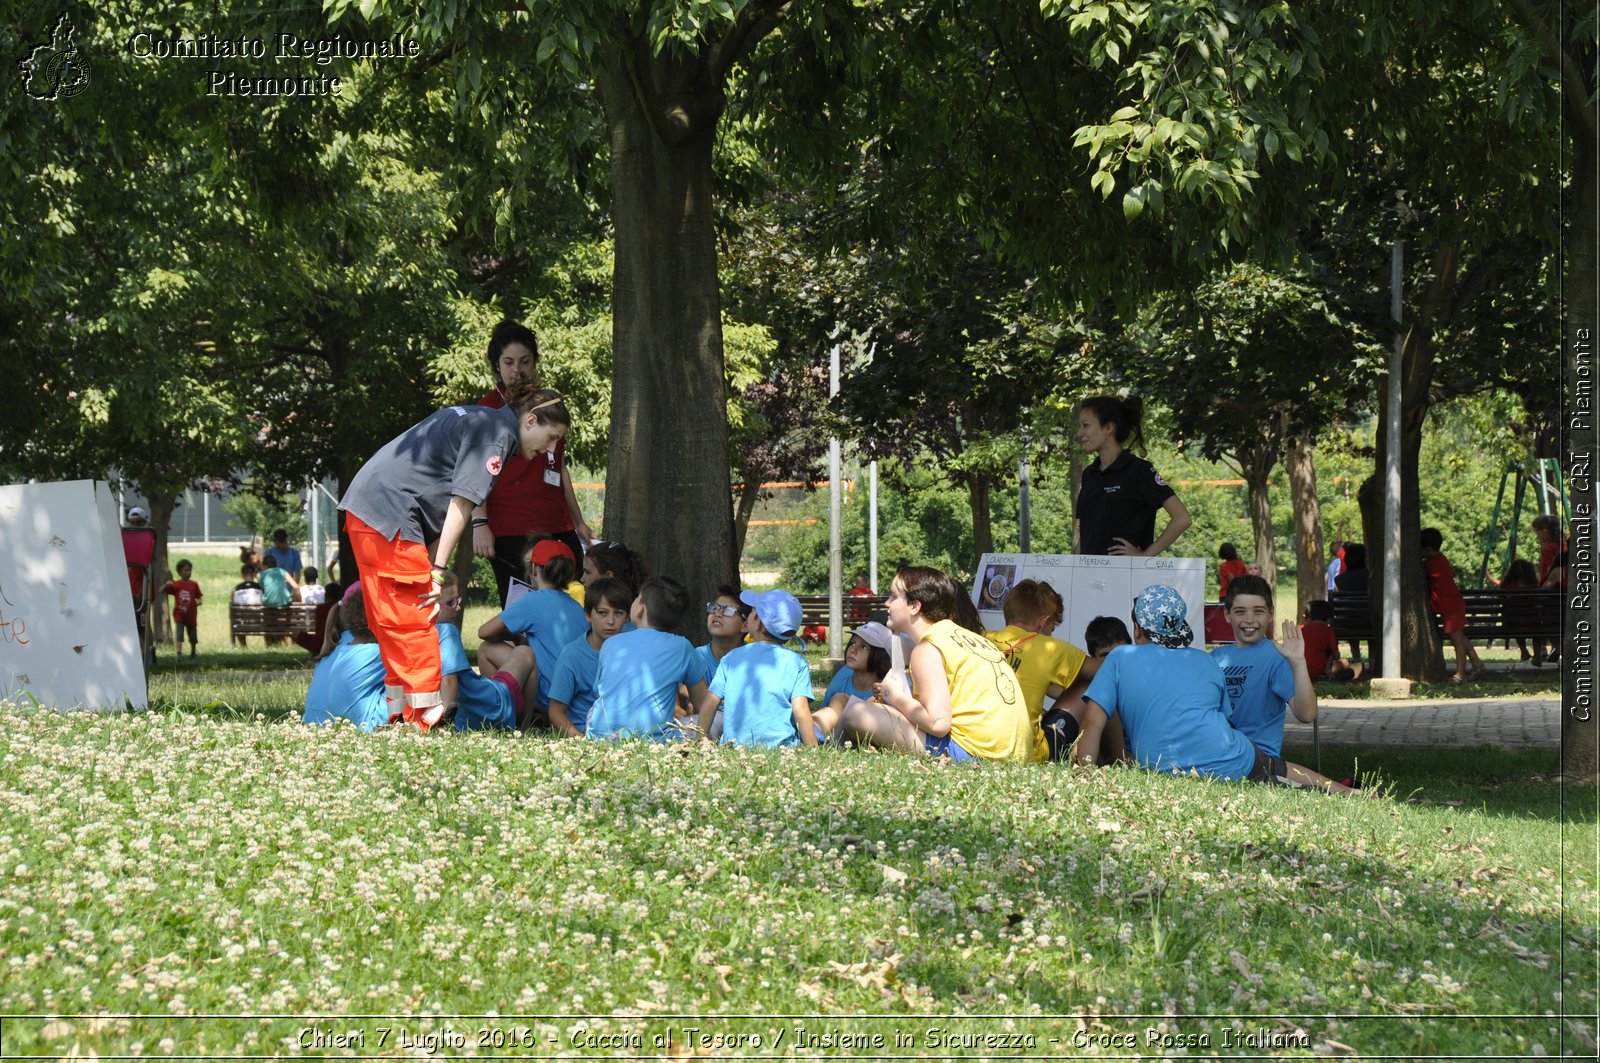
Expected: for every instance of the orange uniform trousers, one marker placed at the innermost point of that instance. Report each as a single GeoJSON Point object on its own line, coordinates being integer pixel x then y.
{"type": "Point", "coordinates": [394, 575]}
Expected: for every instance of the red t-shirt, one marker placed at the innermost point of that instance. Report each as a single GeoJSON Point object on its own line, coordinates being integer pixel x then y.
{"type": "Point", "coordinates": [1444, 597]}
{"type": "Point", "coordinates": [1227, 571]}
{"type": "Point", "coordinates": [1322, 645]}
{"type": "Point", "coordinates": [522, 500]}
{"type": "Point", "coordinates": [1547, 556]}
{"type": "Point", "coordinates": [186, 597]}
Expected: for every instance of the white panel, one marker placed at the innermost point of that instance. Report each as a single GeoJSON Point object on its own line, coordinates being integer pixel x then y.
{"type": "Point", "coordinates": [1091, 586]}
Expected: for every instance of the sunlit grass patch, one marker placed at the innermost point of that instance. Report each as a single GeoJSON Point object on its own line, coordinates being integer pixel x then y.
{"type": "Point", "coordinates": [182, 862]}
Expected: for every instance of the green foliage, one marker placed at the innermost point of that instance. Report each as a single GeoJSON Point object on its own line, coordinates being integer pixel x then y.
{"type": "Point", "coordinates": [263, 512]}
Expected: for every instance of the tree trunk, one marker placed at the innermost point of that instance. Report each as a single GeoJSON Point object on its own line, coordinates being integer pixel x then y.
{"type": "Point", "coordinates": [1310, 582]}
{"type": "Point", "coordinates": [1257, 467]}
{"type": "Point", "coordinates": [1580, 740]}
{"type": "Point", "coordinates": [748, 497]}
{"type": "Point", "coordinates": [162, 503]}
{"type": "Point", "coordinates": [668, 494]}
{"type": "Point", "coordinates": [979, 487]}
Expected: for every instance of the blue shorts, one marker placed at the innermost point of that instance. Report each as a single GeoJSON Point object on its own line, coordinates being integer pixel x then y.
{"type": "Point", "coordinates": [945, 747]}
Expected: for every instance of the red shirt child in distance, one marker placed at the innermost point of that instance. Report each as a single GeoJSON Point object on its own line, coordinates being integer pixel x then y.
{"type": "Point", "coordinates": [186, 595]}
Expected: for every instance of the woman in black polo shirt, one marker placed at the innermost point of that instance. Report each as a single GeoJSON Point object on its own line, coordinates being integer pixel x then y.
{"type": "Point", "coordinates": [1120, 493]}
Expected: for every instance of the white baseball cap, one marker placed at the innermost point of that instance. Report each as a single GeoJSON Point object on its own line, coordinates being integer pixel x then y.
{"type": "Point", "coordinates": [876, 634]}
{"type": "Point", "coordinates": [138, 513]}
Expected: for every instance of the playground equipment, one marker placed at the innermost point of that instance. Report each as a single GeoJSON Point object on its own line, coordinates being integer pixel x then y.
{"type": "Point", "coordinates": [1544, 477]}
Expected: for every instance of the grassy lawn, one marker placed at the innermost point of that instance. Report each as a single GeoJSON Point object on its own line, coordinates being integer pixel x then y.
{"type": "Point", "coordinates": [202, 859]}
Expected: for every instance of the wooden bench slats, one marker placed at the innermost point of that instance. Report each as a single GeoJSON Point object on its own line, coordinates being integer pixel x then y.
{"type": "Point", "coordinates": [1491, 614]}
{"type": "Point", "coordinates": [297, 619]}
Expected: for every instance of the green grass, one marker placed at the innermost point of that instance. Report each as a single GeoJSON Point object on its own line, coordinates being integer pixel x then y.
{"type": "Point", "coordinates": [201, 860]}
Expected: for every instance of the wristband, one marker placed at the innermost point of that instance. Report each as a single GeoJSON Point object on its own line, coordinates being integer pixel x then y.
{"type": "Point", "coordinates": [480, 522]}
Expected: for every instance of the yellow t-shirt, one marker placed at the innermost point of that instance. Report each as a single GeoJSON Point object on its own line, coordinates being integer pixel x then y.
{"type": "Point", "coordinates": [1040, 661]}
{"type": "Point", "coordinates": [988, 712]}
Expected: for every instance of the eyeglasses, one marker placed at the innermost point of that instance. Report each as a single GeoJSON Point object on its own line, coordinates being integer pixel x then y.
{"type": "Point", "coordinates": [718, 609]}
{"type": "Point", "coordinates": [452, 603]}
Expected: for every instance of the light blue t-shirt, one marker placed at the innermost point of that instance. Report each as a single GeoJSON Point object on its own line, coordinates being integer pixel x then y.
{"type": "Point", "coordinates": [1259, 682]}
{"type": "Point", "coordinates": [636, 686]}
{"type": "Point", "coordinates": [481, 703]}
{"type": "Point", "coordinates": [758, 683]}
{"type": "Point", "coordinates": [274, 587]}
{"type": "Point", "coordinates": [551, 620]}
{"type": "Point", "coordinates": [1170, 703]}
{"type": "Point", "coordinates": [348, 685]}
{"type": "Point", "coordinates": [844, 682]}
{"type": "Point", "coordinates": [573, 683]}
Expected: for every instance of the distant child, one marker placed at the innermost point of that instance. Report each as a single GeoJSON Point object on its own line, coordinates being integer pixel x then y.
{"type": "Point", "coordinates": [478, 703]}
{"type": "Point", "coordinates": [1444, 599]}
{"type": "Point", "coordinates": [637, 683]}
{"type": "Point", "coordinates": [725, 618]}
{"type": "Point", "coordinates": [1229, 567]}
{"type": "Point", "coordinates": [348, 682]}
{"type": "Point", "coordinates": [186, 597]}
{"type": "Point", "coordinates": [1262, 677]}
{"type": "Point", "coordinates": [1519, 575]}
{"type": "Point", "coordinates": [614, 560]}
{"type": "Point", "coordinates": [312, 592]}
{"type": "Point", "coordinates": [277, 586]}
{"type": "Point", "coordinates": [764, 687]}
{"type": "Point", "coordinates": [1045, 666]}
{"type": "Point", "coordinates": [286, 556]}
{"type": "Point", "coordinates": [247, 591]}
{"type": "Point", "coordinates": [546, 618]}
{"type": "Point", "coordinates": [867, 662]}
{"type": "Point", "coordinates": [572, 687]}
{"type": "Point", "coordinates": [1169, 696]}
{"type": "Point", "coordinates": [1104, 634]}
{"type": "Point", "coordinates": [1322, 645]}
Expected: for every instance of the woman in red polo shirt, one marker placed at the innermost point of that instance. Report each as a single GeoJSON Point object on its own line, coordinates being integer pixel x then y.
{"type": "Point", "coordinates": [530, 496]}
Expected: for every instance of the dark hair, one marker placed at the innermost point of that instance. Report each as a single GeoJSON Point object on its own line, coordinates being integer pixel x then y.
{"type": "Point", "coordinates": [1520, 573]}
{"type": "Point", "coordinates": [353, 614]}
{"type": "Point", "coordinates": [281, 533]}
{"type": "Point", "coordinates": [1127, 413]}
{"type": "Point", "coordinates": [966, 612]}
{"type": "Point", "coordinates": [665, 601]}
{"type": "Point", "coordinates": [546, 406]}
{"type": "Point", "coordinates": [269, 562]}
{"type": "Point", "coordinates": [878, 662]}
{"type": "Point", "coordinates": [1547, 522]}
{"type": "Point", "coordinates": [184, 562]}
{"type": "Point", "coordinates": [1228, 552]}
{"type": "Point", "coordinates": [1248, 584]}
{"type": "Point", "coordinates": [934, 591]}
{"type": "Point", "coordinates": [309, 574]}
{"type": "Point", "coordinates": [727, 590]}
{"type": "Point", "coordinates": [1320, 611]}
{"type": "Point", "coordinates": [1355, 556]}
{"type": "Point", "coordinates": [248, 569]}
{"type": "Point", "coordinates": [607, 590]}
{"type": "Point", "coordinates": [447, 579]}
{"type": "Point", "coordinates": [621, 562]}
{"type": "Point", "coordinates": [1432, 539]}
{"type": "Point", "coordinates": [1104, 632]}
{"type": "Point", "coordinates": [504, 335]}
{"type": "Point", "coordinates": [558, 571]}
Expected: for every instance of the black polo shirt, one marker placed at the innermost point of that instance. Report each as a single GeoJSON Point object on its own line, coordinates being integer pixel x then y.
{"type": "Point", "coordinates": [1119, 503]}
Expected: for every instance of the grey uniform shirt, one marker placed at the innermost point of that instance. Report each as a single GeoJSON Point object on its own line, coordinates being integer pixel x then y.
{"type": "Point", "coordinates": [404, 489]}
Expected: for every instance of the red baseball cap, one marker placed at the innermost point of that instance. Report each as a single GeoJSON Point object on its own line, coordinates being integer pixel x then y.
{"type": "Point", "coordinates": [547, 550]}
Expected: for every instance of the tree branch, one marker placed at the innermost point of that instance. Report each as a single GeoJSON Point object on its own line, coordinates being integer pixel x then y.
{"type": "Point", "coordinates": [748, 30]}
{"type": "Point", "coordinates": [1575, 90]}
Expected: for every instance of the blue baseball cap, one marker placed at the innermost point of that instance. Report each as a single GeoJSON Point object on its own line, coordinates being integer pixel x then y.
{"type": "Point", "coordinates": [779, 611]}
{"type": "Point", "coordinates": [1164, 615]}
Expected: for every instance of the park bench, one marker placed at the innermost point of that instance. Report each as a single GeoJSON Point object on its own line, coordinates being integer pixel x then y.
{"type": "Point", "coordinates": [302, 622]}
{"type": "Point", "coordinates": [858, 609]}
{"type": "Point", "coordinates": [1492, 614]}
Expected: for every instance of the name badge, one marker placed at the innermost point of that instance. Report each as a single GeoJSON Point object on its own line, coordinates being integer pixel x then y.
{"type": "Point", "coordinates": [552, 477]}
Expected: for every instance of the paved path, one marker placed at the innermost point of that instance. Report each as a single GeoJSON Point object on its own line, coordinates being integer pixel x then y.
{"type": "Point", "coordinates": [1506, 722]}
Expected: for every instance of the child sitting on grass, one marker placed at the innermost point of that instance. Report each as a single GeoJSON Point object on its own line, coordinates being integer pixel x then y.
{"type": "Point", "coordinates": [1260, 677]}
{"type": "Point", "coordinates": [186, 595]}
{"type": "Point", "coordinates": [725, 617]}
{"type": "Point", "coordinates": [475, 702]}
{"type": "Point", "coordinates": [1169, 697]}
{"type": "Point", "coordinates": [867, 662]}
{"type": "Point", "coordinates": [546, 618]}
{"type": "Point", "coordinates": [636, 686]}
{"type": "Point", "coordinates": [348, 682]}
{"type": "Point", "coordinates": [968, 704]}
{"type": "Point", "coordinates": [763, 687]}
{"type": "Point", "coordinates": [1045, 666]}
{"type": "Point", "coordinates": [1444, 599]}
{"type": "Point", "coordinates": [1322, 646]}
{"type": "Point", "coordinates": [606, 602]}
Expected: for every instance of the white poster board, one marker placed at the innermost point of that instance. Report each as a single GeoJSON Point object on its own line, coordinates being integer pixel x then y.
{"type": "Point", "coordinates": [67, 633]}
{"type": "Point", "coordinates": [1090, 586]}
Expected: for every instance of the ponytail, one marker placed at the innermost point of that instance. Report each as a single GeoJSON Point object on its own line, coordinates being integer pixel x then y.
{"type": "Point", "coordinates": [546, 406]}
{"type": "Point", "coordinates": [1126, 412]}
